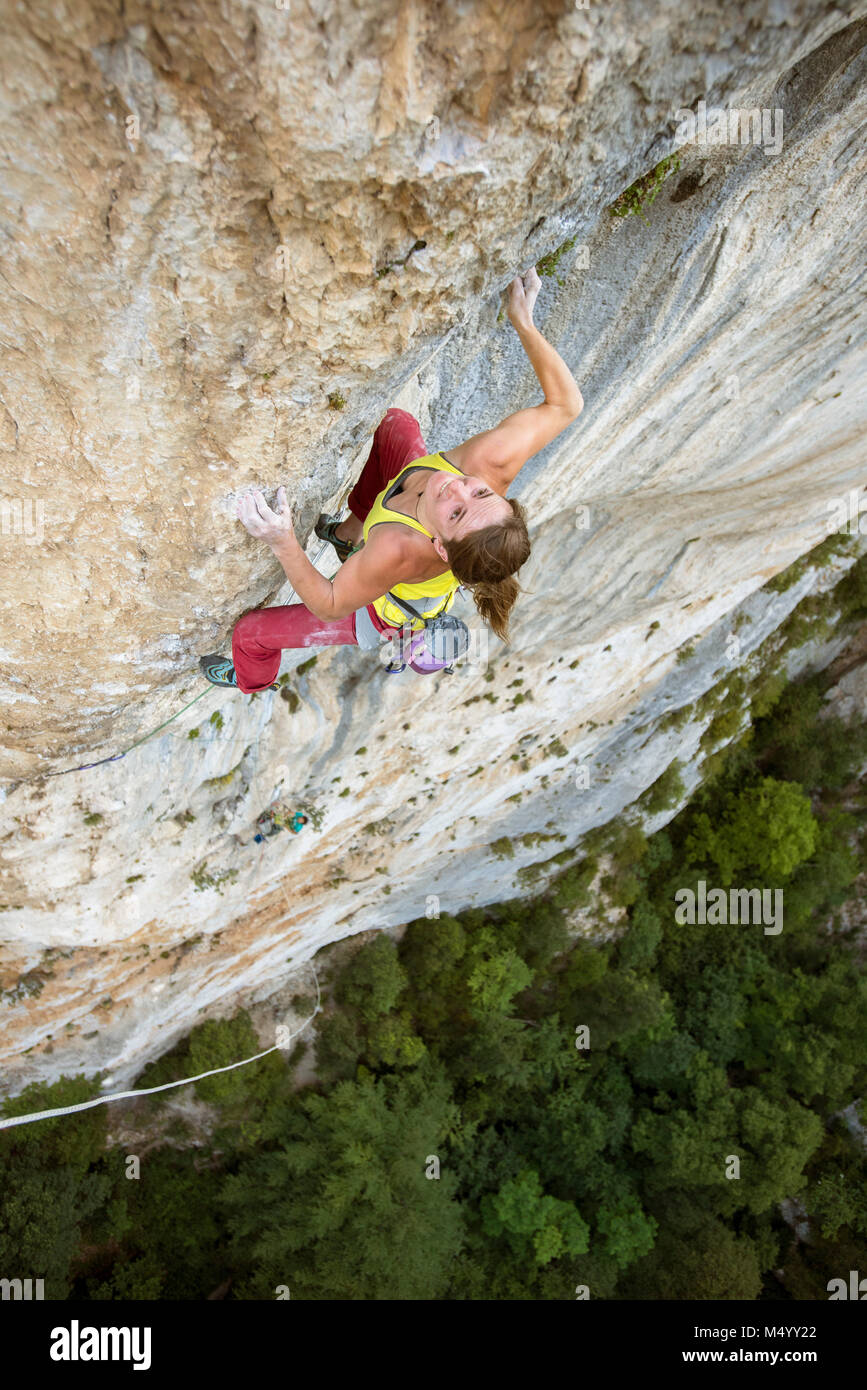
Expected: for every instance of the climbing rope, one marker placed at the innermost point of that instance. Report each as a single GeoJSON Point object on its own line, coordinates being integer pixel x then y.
{"type": "Point", "coordinates": [8, 1123]}
{"type": "Point", "coordinates": [115, 756]}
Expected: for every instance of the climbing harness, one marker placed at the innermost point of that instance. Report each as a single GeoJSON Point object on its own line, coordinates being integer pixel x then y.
{"type": "Point", "coordinates": [442, 640]}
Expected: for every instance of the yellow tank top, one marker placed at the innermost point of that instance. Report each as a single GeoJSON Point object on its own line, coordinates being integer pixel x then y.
{"type": "Point", "coordinates": [438, 592]}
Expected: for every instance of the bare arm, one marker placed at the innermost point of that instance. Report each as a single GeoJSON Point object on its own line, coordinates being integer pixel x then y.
{"type": "Point", "coordinates": [385, 561]}
{"type": "Point", "coordinates": [559, 386]}
{"type": "Point", "coordinates": [501, 452]}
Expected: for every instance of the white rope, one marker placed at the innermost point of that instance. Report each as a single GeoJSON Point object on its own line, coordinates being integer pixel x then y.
{"type": "Point", "coordinates": [151, 1090]}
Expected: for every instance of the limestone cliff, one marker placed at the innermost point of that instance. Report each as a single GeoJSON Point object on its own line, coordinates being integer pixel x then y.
{"type": "Point", "coordinates": [232, 237]}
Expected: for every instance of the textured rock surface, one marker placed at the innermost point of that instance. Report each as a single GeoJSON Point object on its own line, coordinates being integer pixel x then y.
{"type": "Point", "coordinates": [177, 308]}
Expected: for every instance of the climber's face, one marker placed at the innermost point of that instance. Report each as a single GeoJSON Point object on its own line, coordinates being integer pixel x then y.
{"type": "Point", "coordinates": [458, 503]}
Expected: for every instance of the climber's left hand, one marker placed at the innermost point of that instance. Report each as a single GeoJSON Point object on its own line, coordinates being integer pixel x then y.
{"type": "Point", "coordinates": [275, 528]}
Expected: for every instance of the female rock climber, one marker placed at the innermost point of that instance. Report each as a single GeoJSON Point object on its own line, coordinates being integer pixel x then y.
{"type": "Point", "coordinates": [430, 523]}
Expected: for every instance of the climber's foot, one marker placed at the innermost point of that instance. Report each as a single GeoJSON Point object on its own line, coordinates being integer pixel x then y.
{"type": "Point", "coordinates": [326, 528]}
{"type": "Point", "coordinates": [220, 671]}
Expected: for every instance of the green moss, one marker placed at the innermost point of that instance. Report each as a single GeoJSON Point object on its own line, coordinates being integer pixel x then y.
{"type": "Point", "coordinates": [789, 576]}
{"type": "Point", "coordinates": [360, 751]}
{"type": "Point", "coordinates": [548, 264]}
{"type": "Point", "coordinates": [335, 400]}
{"type": "Point", "coordinates": [643, 192]}
{"type": "Point", "coordinates": [224, 780]}
{"type": "Point", "coordinates": [676, 718]}
{"type": "Point", "coordinates": [217, 719]}
{"type": "Point", "coordinates": [538, 837]}
{"type": "Point", "coordinates": [202, 880]}
{"type": "Point", "coordinates": [305, 666]}
{"type": "Point", "coordinates": [379, 827]}
{"type": "Point", "coordinates": [838, 543]}
{"type": "Point", "coordinates": [93, 818]}
{"type": "Point", "coordinates": [28, 986]}
{"type": "Point", "coordinates": [134, 878]}
{"type": "Point", "coordinates": [291, 697]}
{"type": "Point", "coordinates": [685, 652]}
{"type": "Point", "coordinates": [665, 793]}
{"type": "Point", "coordinates": [707, 702]}
{"type": "Point", "coordinates": [503, 848]}
{"type": "Point", "coordinates": [812, 619]}
{"type": "Point", "coordinates": [194, 733]}
{"type": "Point", "coordinates": [721, 729]}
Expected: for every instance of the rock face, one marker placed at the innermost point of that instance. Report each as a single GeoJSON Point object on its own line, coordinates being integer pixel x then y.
{"type": "Point", "coordinates": [217, 218]}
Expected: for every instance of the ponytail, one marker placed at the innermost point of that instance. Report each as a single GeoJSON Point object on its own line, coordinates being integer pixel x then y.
{"type": "Point", "coordinates": [485, 562]}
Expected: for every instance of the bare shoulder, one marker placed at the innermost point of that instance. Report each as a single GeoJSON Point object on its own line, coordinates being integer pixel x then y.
{"type": "Point", "coordinates": [394, 549]}
{"type": "Point", "coordinates": [476, 458]}
{"type": "Point", "coordinates": [499, 454]}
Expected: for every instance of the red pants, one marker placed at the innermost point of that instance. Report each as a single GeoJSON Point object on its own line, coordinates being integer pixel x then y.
{"type": "Point", "coordinates": [396, 443]}
{"type": "Point", "coordinates": [259, 637]}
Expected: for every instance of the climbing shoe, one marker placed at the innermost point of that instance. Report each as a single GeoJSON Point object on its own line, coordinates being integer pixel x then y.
{"type": "Point", "coordinates": [325, 529]}
{"type": "Point", "coordinates": [220, 671]}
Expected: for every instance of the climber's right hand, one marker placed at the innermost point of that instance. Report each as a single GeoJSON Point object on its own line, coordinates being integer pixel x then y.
{"type": "Point", "coordinates": [273, 527]}
{"type": "Point", "coordinates": [522, 297]}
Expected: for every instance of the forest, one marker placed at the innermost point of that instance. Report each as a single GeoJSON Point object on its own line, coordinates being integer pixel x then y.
{"type": "Point", "coordinates": [504, 1109]}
